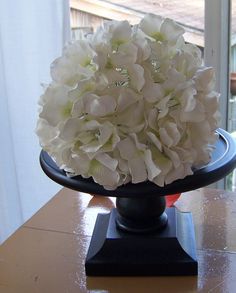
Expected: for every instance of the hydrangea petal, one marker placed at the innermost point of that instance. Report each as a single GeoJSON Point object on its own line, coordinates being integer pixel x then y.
{"type": "Point", "coordinates": [152, 169]}
{"type": "Point", "coordinates": [173, 156]}
{"type": "Point", "coordinates": [107, 161]}
{"type": "Point", "coordinates": [126, 98]}
{"type": "Point", "coordinates": [99, 106]}
{"type": "Point", "coordinates": [126, 54]}
{"type": "Point", "coordinates": [205, 79]}
{"type": "Point", "coordinates": [165, 137]}
{"type": "Point", "coordinates": [71, 129]}
{"type": "Point", "coordinates": [121, 32]}
{"type": "Point", "coordinates": [136, 74]}
{"type": "Point", "coordinates": [103, 175]}
{"type": "Point", "coordinates": [127, 148]}
{"type": "Point", "coordinates": [57, 107]}
{"type": "Point", "coordinates": [80, 163]}
{"type": "Point", "coordinates": [151, 24]}
{"type": "Point", "coordinates": [137, 169]}
{"type": "Point", "coordinates": [163, 107]}
{"type": "Point", "coordinates": [171, 30]}
{"type": "Point", "coordinates": [197, 115]}
{"type": "Point", "coordinates": [155, 140]}
{"type": "Point", "coordinates": [45, 132]}
{"type": "Point", "coordinates": [187, 99]}
{"type": "Point", "coordinates": [137, 118]}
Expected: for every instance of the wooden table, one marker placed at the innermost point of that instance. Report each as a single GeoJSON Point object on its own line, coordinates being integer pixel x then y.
{"type": "Point", "coordinates": [47, 253]}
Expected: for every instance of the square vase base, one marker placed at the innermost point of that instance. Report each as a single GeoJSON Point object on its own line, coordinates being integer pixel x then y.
{"type": "Point", "coordinates": [169, 252]}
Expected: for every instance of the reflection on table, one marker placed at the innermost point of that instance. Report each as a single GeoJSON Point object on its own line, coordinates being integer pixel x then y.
{"type": "Point", "coordinates": [47, 254]}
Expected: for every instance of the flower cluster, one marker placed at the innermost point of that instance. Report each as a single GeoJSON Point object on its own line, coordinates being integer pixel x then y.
{"type": "Point", "coordinates": [130, 104]}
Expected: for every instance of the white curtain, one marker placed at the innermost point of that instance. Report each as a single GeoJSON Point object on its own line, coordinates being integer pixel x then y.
{"type": "Point", "coordinates": [32, 34]}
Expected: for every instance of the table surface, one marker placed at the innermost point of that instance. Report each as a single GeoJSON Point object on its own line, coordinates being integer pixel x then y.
{"type": "Point", "coordinates": [47, 253]}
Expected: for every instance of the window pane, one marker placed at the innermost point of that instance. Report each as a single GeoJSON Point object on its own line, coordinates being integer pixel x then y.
{"type": "Point", "coordinates": [86, 17]}
{"type": "Point", "coordinates": [231, 179]}
{"type": "Point", "coordinates": [232, 99]}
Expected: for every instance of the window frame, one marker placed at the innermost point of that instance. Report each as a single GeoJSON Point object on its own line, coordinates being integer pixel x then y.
{"type": "Point", "coordinates": [217, 54]}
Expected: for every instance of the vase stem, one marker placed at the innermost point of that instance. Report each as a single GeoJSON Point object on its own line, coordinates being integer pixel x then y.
{"type": "Point", "coordinates": [141, 215]}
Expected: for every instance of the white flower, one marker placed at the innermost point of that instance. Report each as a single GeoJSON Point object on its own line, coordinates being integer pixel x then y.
{"type": "Point", "coordinates": [125, 54]}
{"type": "Point", "coordinates": [169, 134]}
{"type": "Point", "coordinates": [56, 104]}
{"type": "Point", "coordinates": [104, 175]}
{"type": "Point", "coordinates": [76, 63]}
{"type": "Point", "coordinates": [143, 46]}
{"type": "Point", "coordinates": [95, 105]}
{"type": "Point", "coordinates": [91, 137]}
{"type": "Point", "coordinates": [46, 133]}
{"type": "Point", "coordinates": [205, 79]}
{"type": "Point", "coordinates": [140, 162]}
{"type": "Point", "coordinates": [130, 104]}
{"type": "Point", "coordinates": [152, 91]}
{"type": "Point", "coordinates": [119, 32]}
{"type": "Point", "coordinates": [132, 119]}
{"type": "Point", "coordinates": [161, 29]}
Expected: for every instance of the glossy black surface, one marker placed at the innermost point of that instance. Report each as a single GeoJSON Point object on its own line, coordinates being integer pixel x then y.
{"type": "Point", "coordinates": [170, 252]}
{"type": "Point", "coordinates": [141, 215]}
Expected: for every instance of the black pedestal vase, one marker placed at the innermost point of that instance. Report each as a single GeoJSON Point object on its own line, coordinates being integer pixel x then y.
{"type": "Point", "coordinates": [141, 236]}
{"type": "Point", "coordinates": [131, 241]}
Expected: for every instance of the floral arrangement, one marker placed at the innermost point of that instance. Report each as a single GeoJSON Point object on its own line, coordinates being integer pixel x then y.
{"type": "Point", "coordinates": [130, 104]}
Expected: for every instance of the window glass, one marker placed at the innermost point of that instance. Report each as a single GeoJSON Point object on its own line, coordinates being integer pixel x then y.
{"type": "Point", "coordinates": [86, 17]}
{"type": "Point", "coordinates": [231, 179]}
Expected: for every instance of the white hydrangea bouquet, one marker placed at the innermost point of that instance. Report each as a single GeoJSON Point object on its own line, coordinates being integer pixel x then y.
{"type": "Point", "coordinates": [130, 104]}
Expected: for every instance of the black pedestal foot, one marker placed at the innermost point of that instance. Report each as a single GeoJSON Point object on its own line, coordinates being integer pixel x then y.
{"type": "Point", "coordinates": [170, 251]}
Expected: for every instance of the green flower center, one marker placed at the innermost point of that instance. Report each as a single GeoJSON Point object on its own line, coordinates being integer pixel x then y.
{"type": "Point", "coordinates": [66, 110]}
{"type": "Point", "coordinates": [158, 37]}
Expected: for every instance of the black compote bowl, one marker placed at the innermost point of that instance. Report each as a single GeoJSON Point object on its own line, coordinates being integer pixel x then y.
{"type": "Point", "coordinates": [141, 236]}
